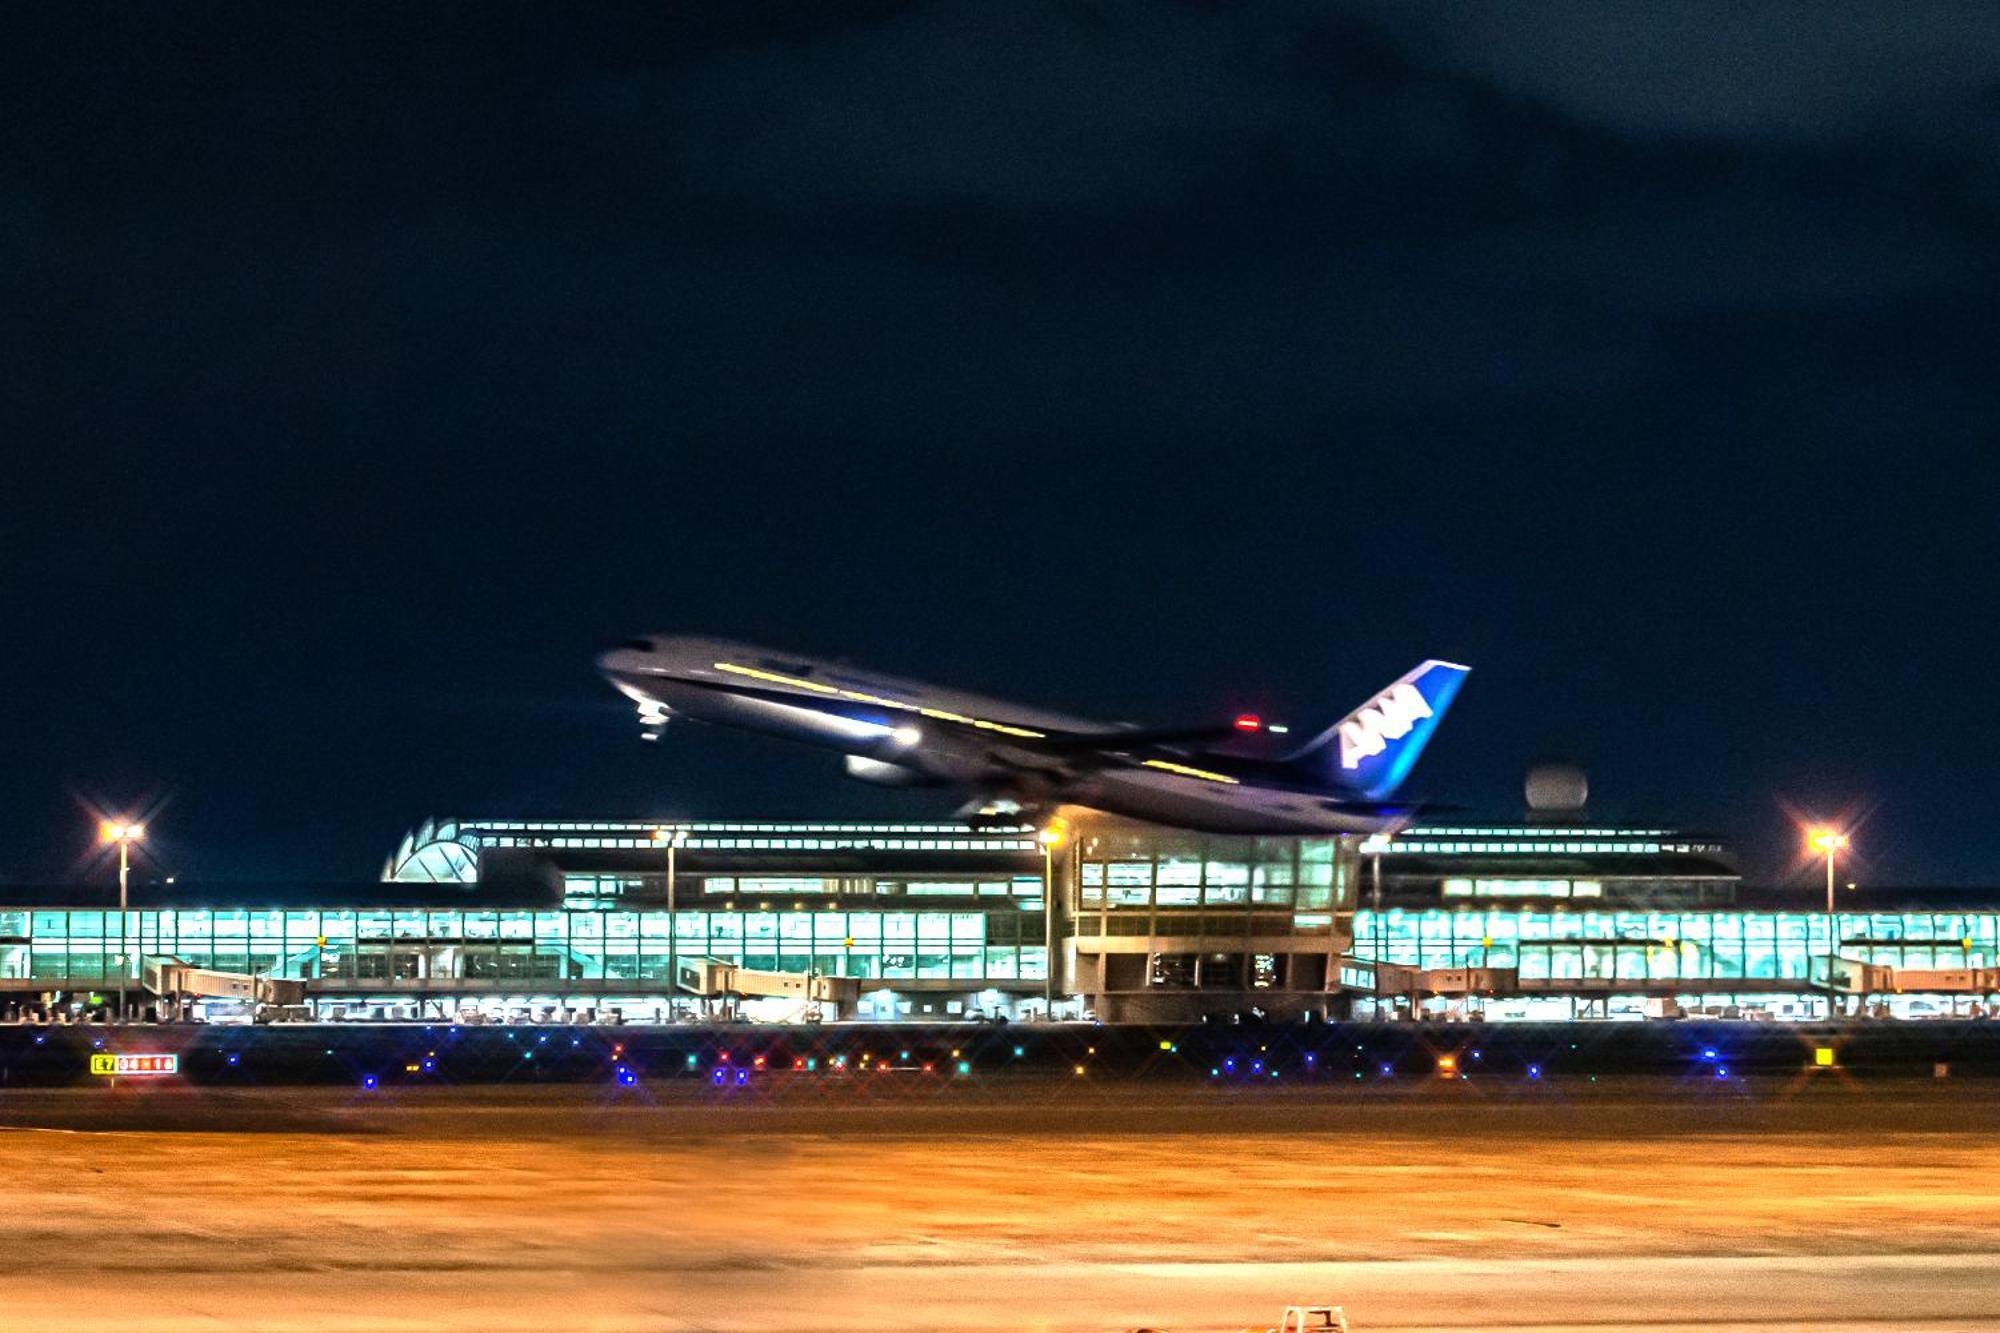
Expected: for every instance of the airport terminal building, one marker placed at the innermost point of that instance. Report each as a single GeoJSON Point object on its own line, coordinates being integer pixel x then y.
{"type": "Point", "coordinates": [512, 919]}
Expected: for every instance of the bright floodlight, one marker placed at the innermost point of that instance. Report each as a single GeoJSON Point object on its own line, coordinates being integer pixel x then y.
{"type": "Point", "coordinates": [906, 736]}
{"type": "Point", "coordinates": [1828, 840]}
{"type": "Point", "coordinates": [1051, 836]}
{"type": "Point", "coordinates": [113, 831]}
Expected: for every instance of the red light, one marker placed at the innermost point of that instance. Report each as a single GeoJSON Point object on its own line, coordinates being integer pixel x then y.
{"type": "Point", "coordinates": [1249, 722]}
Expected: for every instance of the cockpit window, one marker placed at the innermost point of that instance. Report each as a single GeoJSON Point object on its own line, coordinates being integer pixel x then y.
{"type": "Point", "coordinates": [640, 645]}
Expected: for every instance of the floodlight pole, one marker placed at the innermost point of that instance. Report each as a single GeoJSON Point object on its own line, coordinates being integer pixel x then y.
{"type": "Point", "coordinates": [124, 872]}
{"type": "Point", "coordinates": [673, 924]}
{"type": "Point", "coordinates": [1832, 942]}
{"type": "Point", "coordinates": [1048, 928]}
{"type": "Point", "coordinates": [1381, 841]}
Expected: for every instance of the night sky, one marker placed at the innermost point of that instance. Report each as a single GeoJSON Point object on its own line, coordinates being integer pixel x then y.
{"type": "Point", "coordinates": [368, 369]}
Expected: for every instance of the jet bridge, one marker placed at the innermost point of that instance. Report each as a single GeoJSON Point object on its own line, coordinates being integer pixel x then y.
{"type": "Point", "coordinates": [719, 980]}
{"type": "Point", "coordinates": [178, 984]}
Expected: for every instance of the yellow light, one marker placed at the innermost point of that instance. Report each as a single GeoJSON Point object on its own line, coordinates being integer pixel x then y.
{"type": "Point", "coordinates": [1823, 1056]}
{"type": "Point", "coordinates": [1828, 840]}
{"type": "Point", "coordinates": [1184, 771]}
{"type": "Point", "coordinates": [1447, 1065]}
{"type": "Point", "coordinates": [1053, 834]}
{"type": "Point", "coordinates": [1079, 1070]}
{"type": "Point", "coordinates": [134, 832]}
{"type": "Point", "coordinates": [110, 832]}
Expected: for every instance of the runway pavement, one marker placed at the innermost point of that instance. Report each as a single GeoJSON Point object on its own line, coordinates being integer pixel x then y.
{"type": "Point", "coordinates": [1041, 1205]}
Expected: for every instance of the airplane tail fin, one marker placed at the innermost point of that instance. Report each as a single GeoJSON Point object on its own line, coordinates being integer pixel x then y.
{"type": "Point", "coordinates": [1373, 748]}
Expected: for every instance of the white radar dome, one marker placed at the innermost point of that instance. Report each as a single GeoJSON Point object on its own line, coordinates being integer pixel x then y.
{"type": "Point", "coordinates": [1557, 788]}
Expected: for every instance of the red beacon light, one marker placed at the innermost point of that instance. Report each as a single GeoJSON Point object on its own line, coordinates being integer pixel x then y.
{"type": "Point", "coordinates": [1249, 722]}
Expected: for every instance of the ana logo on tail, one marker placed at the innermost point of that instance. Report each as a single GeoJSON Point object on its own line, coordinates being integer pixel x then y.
{"type": "Point", "coordinates": [1387, 717]}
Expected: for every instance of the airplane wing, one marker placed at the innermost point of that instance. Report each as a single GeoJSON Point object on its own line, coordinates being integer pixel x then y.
{"type": "Point", "coordinates": [1090, 742]}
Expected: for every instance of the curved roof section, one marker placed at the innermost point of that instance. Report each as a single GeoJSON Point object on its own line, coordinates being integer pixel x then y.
{"type": "Point", "coordinates": [447, 852]}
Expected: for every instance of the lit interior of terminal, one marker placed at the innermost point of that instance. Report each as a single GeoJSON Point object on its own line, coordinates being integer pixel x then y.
{"type": "Point", "coordinates": [522, 920]}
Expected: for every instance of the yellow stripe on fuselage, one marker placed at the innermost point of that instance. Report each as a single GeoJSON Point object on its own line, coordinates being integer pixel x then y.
{"type": "Point", "coordinates": [1184, 771]}
{"type": "Point", "coordinates": [935, 714]}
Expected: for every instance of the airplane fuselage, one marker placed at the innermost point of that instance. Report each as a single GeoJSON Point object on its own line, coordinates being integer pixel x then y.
{"type": "Point", "coordinates": [904, 732]}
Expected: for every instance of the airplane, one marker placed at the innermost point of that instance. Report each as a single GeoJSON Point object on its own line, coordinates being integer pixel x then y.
{"type": "Point", "coordinates": [1240, 776]}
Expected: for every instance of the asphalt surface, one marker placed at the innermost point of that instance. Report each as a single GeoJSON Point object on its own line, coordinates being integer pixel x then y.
{"type": "Point", "coordinates": [1815, 1203]}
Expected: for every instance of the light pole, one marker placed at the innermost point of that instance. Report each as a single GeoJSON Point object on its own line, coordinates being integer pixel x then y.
{"type": "Point", "coordinates": [672, 837]}
{"type": "Point", "coordinates": [1829, 841]}
{"type": "Point", "coordinates": [1378, 844]}
{"type": "Point", "coordinates": [1049, 837]}
{"type": "Point", "coordinates": [124, 834]}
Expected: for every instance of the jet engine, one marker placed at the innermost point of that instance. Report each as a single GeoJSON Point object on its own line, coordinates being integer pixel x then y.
{"type": "Point", "coordinates": [888, 775]}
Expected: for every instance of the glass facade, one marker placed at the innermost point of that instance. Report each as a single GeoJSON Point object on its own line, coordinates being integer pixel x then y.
{"type": "Point", "coordinates": [1232, 876]}
{"type": "Point", "coordinates": [69, 947]}
{"type": "Point", "coordinates": [1673, 946]}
